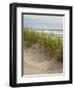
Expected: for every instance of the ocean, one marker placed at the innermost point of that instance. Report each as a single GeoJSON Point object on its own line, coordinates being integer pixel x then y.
{"type": "Point", "coordinates": [54, 32]}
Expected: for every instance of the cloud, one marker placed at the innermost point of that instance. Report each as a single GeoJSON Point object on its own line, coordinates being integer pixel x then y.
{"type": "Point", "coordinates": [39, 21]}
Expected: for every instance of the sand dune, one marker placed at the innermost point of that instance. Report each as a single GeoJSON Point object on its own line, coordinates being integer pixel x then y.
{"type": "Point", "coordinates": [36, 61]}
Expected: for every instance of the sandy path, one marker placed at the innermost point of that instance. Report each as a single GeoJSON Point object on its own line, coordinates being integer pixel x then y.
{"type": "Point", "coordinates": [38, 62]}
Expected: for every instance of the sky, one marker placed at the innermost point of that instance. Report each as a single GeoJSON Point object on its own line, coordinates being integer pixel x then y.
{"type": "Point", "coordinates": [43, 22]}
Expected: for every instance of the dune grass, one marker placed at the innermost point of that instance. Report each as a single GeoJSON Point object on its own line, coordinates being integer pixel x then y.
{"type": "Point", "coordinates": [47, 41]}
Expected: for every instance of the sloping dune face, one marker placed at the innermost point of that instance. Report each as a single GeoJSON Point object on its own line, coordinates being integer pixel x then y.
{"type": "Point", "coordinates": [36, 61]}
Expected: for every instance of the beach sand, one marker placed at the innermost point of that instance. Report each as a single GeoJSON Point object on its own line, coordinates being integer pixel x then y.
{"type": "Point", "coordinates": [36, 61]}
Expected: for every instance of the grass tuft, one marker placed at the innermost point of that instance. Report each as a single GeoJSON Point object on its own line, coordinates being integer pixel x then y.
{"type": "Point", "coordinates": [47, 41]}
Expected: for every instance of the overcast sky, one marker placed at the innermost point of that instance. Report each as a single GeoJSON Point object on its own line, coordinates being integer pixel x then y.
{"type": "Point", "coordinates": [43, 22]}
